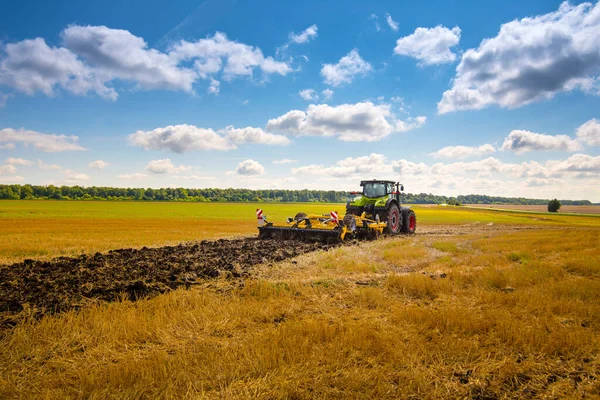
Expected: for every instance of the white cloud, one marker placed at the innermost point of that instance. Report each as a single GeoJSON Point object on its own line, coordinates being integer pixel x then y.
{"type": "Point", "coordinates": [581, 163]}
{"type": "Point", "coordinates": [305, 36]}
{"type": "Point", "coordinates": [118, 54]}
{"type": "Point", "coordinates": [462, 152]}
{"type": "Point", "coordinates": [393, 24]}
{"type": "Point", "coordinates": [180, 138]}
{"type": "Point", "coordinates": [93, 57]}
{"type": "Point", "coordinates": [44, 166]}
{"type": "Point", "coordinates": [166, 166]}
{"type": "Point", "coordinates": [285, 161]}
{"type": "Point", "coordinates": [521, 141]}
{"type": "Point", "coordinates": [135, 176]}
{"type": "Point", "coordinates": [98, 164]}
{"type": "Point", "coordinates": [590, 132]}
{"type": "Point", "coordinates": [75, 178]}
{"type": "Point", "coordinates": [32, 66]}
{"type": "Point", "coordinates": [372, 164]}
{"type": "Point", "coordinates": [17, 161]}
{"type": "Point", "coordinates": [250, 167]}
{"type": "Point", "coordinates": [193, 177]}
{"type": "Point", "coordinates": [346, 69]}
{"type": "Point", "coordinates": [530, 60]}
{"type": "Point", "coordinates": [327, 94]}
{"type": "Point", "coordinates": [245, 102]}
{"type": "Point", "coordinates": [349, 122]}
{"type": "Point", "coordinates": [3, 98]}
{"type": "Point", "coordinates": [214, 87]}
{"type": "Point", "coordinates": [430, 46]}
{"type": "Point", "coordinates": [219, 54]}
{"type": "Point", "coordinates": [10, 179]}
{"type": "Point", "coordinates": [8, 146]}
{"type": "Point", "coordinates": [309, 95]}
{"type": "Point", "coordinates": [250, 135]}
{"type": "Point", "coordinates": [42, 141]}
{"type": "Point", "coordinates": [7, 169]}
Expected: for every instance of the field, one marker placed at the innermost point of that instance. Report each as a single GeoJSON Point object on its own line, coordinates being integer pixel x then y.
{"type": "Point", "coordinates": [478, 304]}
{"type": "Point", "coordinates": [563, 209]}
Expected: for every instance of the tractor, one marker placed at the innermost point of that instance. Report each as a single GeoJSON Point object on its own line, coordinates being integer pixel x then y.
{"type": "Point", "coordinates": [375, 211]}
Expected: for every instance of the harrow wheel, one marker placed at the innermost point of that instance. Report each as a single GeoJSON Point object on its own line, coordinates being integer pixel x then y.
{"type": "Point", "coordinates": [409, 225]}
{"type": "Point", "coordinates": [350, 222]}
{"type": "Point", "coordinates": [393, 220]}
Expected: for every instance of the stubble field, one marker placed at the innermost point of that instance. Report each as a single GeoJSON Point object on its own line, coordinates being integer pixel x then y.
{"type": "Point", "coordinates": [477, 304]}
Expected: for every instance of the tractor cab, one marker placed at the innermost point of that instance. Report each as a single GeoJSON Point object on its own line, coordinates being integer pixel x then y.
{"type": "Point", "coordinates": [376, 189]}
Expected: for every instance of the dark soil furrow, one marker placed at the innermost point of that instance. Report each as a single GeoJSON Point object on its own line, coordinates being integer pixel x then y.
{"type": "Point", "coordinates": [45, 287]}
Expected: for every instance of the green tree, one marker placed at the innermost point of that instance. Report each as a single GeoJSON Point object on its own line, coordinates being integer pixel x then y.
{"type": "Point", "coordinates": [554, 205]}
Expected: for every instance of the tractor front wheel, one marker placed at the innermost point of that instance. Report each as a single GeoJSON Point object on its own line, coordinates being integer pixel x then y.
{"type": "Point", "coordinates": [409, 225]}
{"type": "Point", "coordinates": [393, 220]}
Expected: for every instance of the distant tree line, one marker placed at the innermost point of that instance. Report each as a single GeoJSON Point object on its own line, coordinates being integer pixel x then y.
{"type": "Point", "coordinates": [32, 192]}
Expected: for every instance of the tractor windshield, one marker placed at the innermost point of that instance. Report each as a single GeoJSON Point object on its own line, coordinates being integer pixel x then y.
{"type": "Point", "coordinates": [375, 189]}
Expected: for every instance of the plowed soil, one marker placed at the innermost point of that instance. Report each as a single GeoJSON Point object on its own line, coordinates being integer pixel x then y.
{"type": "Point", "coordinates": [45, 287]}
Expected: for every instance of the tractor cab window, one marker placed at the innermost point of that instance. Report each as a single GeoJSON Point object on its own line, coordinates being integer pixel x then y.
{"type": "Point", "coordinates": [375, 189]}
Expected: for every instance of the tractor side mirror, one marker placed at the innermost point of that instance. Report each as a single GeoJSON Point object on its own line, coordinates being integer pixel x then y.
{"type": "Point", "coordinates": [402, 188]}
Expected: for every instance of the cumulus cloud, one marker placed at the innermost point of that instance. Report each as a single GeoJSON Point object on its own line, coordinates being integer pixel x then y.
{"type": "Point", "coordinates": [42, 141]}
{"type": "Point", "coordinates": [327, 94]}
{"type": "Point", "coordinates": [219, 54]}
{"type": "Point", "coordinates": [32, 66]}
{"type": "Point", "coordinates": [44, 166]}
{"type": "Point", "coordinates": [521, 141]}
{"type": "Point", "coordinates": [180, 138]}
{"type": "Point", "coordinates": [590, 132]}
{"type": "Point", "coordinates": [309, 95]}
{"type": "Point", "coordinates": [250, 167]}
{"type": "Point", "coordinates": [75, 178]}
{"type": "Point", "coordinates": [17, 161]}
{"type": "Point", "coordinates": [285, 161]}
{"type": "Point", "coordinates": [351, 166]}
{"type": "Point", "coordinates": [135, 176]}
{"type": "Point", "coordinates": [393, 24]}
{"type": "Point", "coordinates": [530, 59]}
{"type": "Point", "coordinates": [250, 135]}
{"type": "Point", "coordinates": [7, 169]}
{"type": "Point", "coordinates": [7, 146]}
{"type": "Point", "coordinates": [98, 164]}
{"type": "Point", "coordinates": [349, 122]}
{"type": "Point", "coordinates": [462, 152]}
{"type": "Point", "coordinates": [166, 166]}
{"type": "Point", "coordinates": [118, 54]}
{"type": "Point", "coordinates": [430, 46]}
{"type": "Point", "coordinates": [346, 69]}
{"type": "Point", "coordinates": [214, 87]}
{"type": "Point", "coordinates": [91, 58]}
{"type": "Point", "coordinates": [305, 36]}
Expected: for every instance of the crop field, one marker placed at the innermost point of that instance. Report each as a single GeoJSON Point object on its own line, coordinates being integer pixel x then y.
{"type": "Point", "coordinates": [143, 301]}
{"type": "Point", "coordinates": [537, 208]}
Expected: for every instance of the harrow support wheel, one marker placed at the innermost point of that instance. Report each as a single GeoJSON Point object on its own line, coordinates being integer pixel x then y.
{"type": "Point", "coordinates": [393, 220]}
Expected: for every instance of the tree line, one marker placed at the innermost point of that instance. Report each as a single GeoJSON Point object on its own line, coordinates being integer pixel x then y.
{"type": "Point", "coordinates": [51, 192]}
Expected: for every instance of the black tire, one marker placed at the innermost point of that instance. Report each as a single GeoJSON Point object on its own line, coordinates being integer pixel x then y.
{"type": "Point", "coordinates": [409, 224]}
{"type": "Point", "coordinates": [300, 216]}
{"type": "Point", "coordinates": [350, 222]}
{"type": "Point", "coordinates": [393, 220]}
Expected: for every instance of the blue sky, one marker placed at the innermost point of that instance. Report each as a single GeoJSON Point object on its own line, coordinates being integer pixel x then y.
{"type": "Point", "coordinates": [447, 97]}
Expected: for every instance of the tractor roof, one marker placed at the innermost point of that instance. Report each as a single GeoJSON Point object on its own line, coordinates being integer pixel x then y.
{"type": "Point", "coordinates": [362, 183]}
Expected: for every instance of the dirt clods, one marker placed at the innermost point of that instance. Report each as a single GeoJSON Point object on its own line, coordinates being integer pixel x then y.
{"type": "Point", "coordinates": [46, 287]}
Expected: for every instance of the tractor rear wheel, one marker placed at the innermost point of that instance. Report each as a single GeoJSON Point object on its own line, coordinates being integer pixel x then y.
{"type": "Point", "coordinates": [393, 220]}
{"type": "Point", "coordinates": [409, 225]}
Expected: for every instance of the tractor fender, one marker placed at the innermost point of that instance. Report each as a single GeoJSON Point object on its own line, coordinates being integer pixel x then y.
{"type": "Point", "coordinates": [389, 202]}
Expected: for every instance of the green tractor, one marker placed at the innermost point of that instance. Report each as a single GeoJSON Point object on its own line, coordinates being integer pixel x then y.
{"type": "Point", "coordinates": [380, 201]}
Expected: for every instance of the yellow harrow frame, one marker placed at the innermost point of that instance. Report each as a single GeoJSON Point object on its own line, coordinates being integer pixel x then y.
{"type": "Point", "coordinates": [325, 227]}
